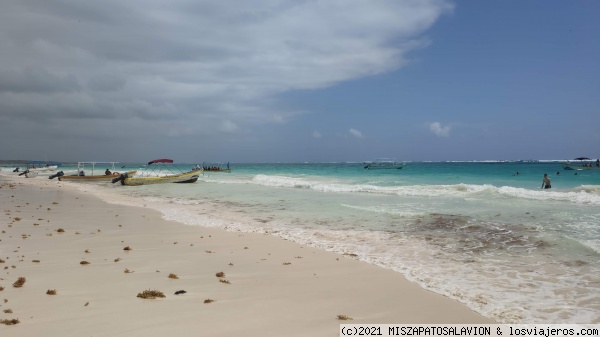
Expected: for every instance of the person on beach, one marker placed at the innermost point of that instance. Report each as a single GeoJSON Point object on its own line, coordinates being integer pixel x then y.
{"type": "Point", "coordinates": [107, 172]}
{"type": "Point", "coordinates": [546, 182]}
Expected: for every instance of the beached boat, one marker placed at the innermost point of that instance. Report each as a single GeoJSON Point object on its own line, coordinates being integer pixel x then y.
{"type": "Point", "coordinates": [29, 173]}
{"type": "Point", "coordinates": [585, 163]}
{"type": "Point", "coordinates": [162, 171]}
{"type": "Point", "coordinates": [382, 164]}
{"type": "Point", "coordinates": [87, 171]}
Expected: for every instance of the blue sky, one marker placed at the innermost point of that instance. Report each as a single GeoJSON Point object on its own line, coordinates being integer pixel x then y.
{"type": "Point", "coordinates": [300, 80]}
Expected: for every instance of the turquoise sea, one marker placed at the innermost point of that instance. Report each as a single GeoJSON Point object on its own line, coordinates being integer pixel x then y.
{"type": "Point", "coordinates": [473, 231]}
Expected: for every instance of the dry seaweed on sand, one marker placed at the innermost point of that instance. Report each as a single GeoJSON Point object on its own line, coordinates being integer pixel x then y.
{"type": "Point", "coordinates": [220, 274]}
{"type": "Point", "coordinates": [208, 300]}
{"type": "Point", "coordinates": [173, 276]}
{"type": "Point", "coordinates": [151, 294]}
{"type": "Point", "coordinates": [51, 292]}
{"type": "Point", "coordinates": [9, 321]}
{"type": "Point", "coordinates": [344, 318]}
{"type": "Point", "coordinates": [20, 282]}
{"type": "Point", "coordinates": [84, 262]}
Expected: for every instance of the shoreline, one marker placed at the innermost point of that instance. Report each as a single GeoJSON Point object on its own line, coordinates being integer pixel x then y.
{"type": "Point", "coordinates": [276, 287]}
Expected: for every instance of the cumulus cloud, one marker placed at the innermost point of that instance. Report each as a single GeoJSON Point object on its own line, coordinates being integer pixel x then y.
{"type": "Point", "coordinates": [194, 62]}
{"type": "Point", "coordinates": [439, 130]}
{"type": "Point", "coordinates": [356, 133]}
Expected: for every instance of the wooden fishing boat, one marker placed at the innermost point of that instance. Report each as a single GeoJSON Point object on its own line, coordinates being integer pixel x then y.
{"type": "Point", "coordinates": [92, 173]}
{"type": "Point", "coordinates": [162, 171]}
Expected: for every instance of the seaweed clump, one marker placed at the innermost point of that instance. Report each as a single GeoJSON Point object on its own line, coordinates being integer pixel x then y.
{"type": "Point", "coordinates": [10, 321]}
{"type": "Point", "coordinates": [151, 294]}
{"type": "Point", "coordinates": [20, 282]}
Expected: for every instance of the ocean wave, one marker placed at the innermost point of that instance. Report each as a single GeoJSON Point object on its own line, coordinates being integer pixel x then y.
{"type": "Point", "coordinates": [585, 194]}
{"type": "Point", "coordinates": [579, 195]}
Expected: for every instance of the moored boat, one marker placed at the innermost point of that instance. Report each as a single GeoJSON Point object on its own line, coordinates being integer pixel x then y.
{"type": "Point", "coordinates": [216, 168]}
{"type": "Point", "coordinates": [580, 167]}
{"type": "Point", "coordinates": [585, 164]}
{"type": "Point", "coordinates": [163, 171]}
{"type": "Point", "coordinates": [382, 164]}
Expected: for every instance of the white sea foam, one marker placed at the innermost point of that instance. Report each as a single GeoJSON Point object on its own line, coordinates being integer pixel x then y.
{"type": "Point", "coordinates": [582, 195]}
{"type": "Point", "coordinates": [390, 209]}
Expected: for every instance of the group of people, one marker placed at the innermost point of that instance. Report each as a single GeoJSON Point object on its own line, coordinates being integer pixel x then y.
{"type": "Point", "coordinates": [590, 164]}
{"type": "Point", "coordinates": [210, 168]}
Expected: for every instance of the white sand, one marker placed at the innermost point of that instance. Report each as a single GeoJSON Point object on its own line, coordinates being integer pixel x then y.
{"type": "Point", "coordinates": [277, 288]}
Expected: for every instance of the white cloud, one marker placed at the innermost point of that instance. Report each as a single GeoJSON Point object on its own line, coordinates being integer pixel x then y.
{"type": "Point", "coordinates": [356, 133]}
{"type": "Point", "coordinates": [316, 134]}
{"type": "Point", "coordinates": [439, 130]}
{"type": "Point", "coordinates": [194, 62]}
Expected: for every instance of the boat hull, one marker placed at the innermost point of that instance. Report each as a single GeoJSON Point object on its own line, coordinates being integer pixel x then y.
{"type": "Point", "coordinates": [188, 177]}
{"type": "Point", "coordinates": [220, 171]}
{"type": "Point", "coordinates": [93, 178]}
{"type": "Point", "coordinates": [579, 167]}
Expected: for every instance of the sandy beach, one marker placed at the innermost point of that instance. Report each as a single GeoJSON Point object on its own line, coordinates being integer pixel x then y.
{"type": "Point", "coordinates": [98, 257]}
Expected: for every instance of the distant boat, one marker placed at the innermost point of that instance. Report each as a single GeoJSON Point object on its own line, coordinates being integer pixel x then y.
{"type": "Point", "coordinates": [582, 166]}
{"type": "Point", "coordinates": [382, 164]}
{"type": "Point", "coordinates": [210, 167]}
{"type": "Point", "coordinates": [40, 166]}
{"type": "Point", "coordinates": [87, 171]}
{"type": "Point", "coordinates": [158, 176]}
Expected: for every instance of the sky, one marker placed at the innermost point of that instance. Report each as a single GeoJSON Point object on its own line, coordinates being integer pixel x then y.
{"type": "Point", "coordinates": [299, 80]}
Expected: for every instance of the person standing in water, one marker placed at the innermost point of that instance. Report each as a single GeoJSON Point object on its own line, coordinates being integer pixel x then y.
{"type": "Point", "coordinates": [546, 182]}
